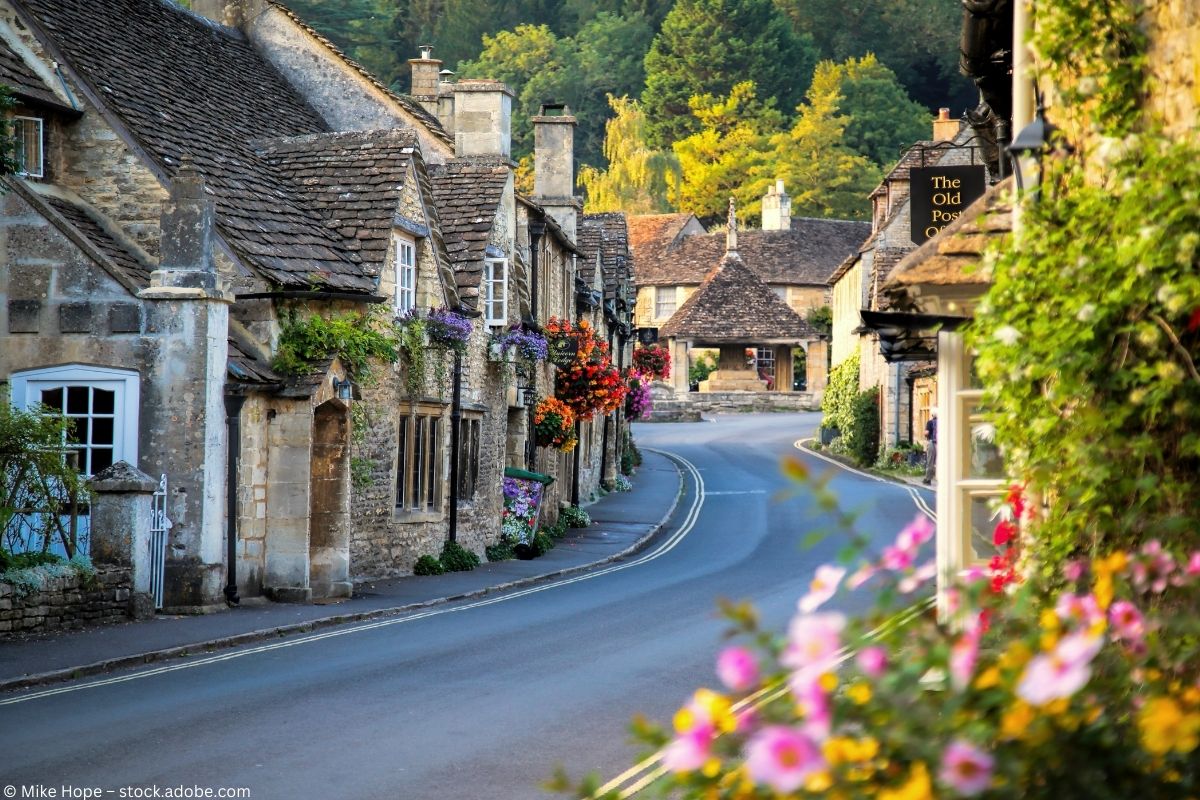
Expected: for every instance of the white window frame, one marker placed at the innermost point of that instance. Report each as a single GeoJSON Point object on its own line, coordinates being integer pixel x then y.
{"type": "Point", "coordinates": [665, 296]}
{"type": "Point", "coordinates": [495, 286]}
{"type": "Point", "coordinates": [406, 275]}
{"type": "Point", "coordinates": [19, 131]}
{"type": "Point", "coordinates": [27, 386]}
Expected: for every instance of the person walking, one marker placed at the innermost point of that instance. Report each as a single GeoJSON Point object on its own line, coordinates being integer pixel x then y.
{"type": "Point", "coordinates": [931, 448]}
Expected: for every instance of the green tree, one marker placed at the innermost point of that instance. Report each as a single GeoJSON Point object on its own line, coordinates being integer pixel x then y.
{"type": "Point", "coordinates": [881, 118]}
{"type": "Point", "coordinates": [637, 177]}
{"type": "Point", "coordinates": [705, 47]}
{"type": "Point", "coordinates": [732, 146]}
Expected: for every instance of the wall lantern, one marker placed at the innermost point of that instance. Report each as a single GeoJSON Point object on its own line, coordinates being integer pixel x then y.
{"type": "Point", "coordinates": [527, 396]}
{"type": "Point", "coordinates": [1033, 141]}
{"type": "Point", "coordinates": [343, 388]}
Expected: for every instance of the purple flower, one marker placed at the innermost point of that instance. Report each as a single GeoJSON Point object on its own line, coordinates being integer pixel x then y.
{"type": "Point", "coordinates": [737, 668]}
{"type": "Point", "coordinates": [966, 769]}
{"type": "Point", "coordinates": [448, 328]}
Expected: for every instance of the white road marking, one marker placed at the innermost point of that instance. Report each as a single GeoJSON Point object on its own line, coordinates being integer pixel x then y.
{"type": "Point", "coordinates": [661, 550]}
{"type": "Point", "coordinates": [743, 491]}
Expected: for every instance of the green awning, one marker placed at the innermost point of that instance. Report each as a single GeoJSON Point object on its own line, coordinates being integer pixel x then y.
{"type": "Point", "coordinates": [513, 472]}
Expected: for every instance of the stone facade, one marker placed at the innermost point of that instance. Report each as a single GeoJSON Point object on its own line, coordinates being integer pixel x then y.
{"type": "Point", "coordinates": [1173, 28]}
{"type": "Point", "coordinates": [67, 602]}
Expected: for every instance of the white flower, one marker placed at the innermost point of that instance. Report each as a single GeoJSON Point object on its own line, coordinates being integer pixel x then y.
{"type": "Point", "coordinates": [984, 432]}
{"type": "Point", "coordinates": [1086, 312]}
{"type": "Point", "coordinates": [1007, 335]}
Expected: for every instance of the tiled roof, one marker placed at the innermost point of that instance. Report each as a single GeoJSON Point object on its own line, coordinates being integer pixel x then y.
{"type": "Point", "coordinates": [613, 247]}
{"type": "Point", "coordinates": [182, 85]}
{"type": "Point", "coordinates": [591, 240]}
{"type": "Point", "coordinates": [409, 104]}
{"type": "Point", "coordinates": [353, 180]}
{"type": "Point", "coordinates": [467, 192]}
{"type": "Point", "coordinates": [23, 81]}
{"type": "Point", "coordinates": [953, 257]}
{"type": "Point", "coordinates": [647, 229]}
{"type": "Point", "coordinates": [808, 253]}
{"type": "Point", "coordinates": [245, 365]}
{"type": "Point", "coordinates": [734, 305]}
{"type": "Point", "coordinates": [120, 254]}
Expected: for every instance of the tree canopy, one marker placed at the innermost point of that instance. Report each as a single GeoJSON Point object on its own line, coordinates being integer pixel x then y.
{"type": "Point", "coordinates": [637, 178]}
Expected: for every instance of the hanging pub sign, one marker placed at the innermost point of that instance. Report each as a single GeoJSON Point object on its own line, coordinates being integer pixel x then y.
{"type": "Point", "coordinates": [940, 195]}
{"type": "Point", "coordinates": [563, 350]}
{"type": "Point", "coordinates": [647, 336]}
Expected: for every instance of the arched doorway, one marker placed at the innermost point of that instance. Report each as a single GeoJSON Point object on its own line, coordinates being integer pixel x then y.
{"type": "Point", "coordinates": [329, 498]}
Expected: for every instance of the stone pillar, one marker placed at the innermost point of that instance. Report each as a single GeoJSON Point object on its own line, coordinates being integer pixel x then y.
{"type": "Point", "coordinates": [425, 79]}
{"type": "Point", "coordinates": [818, 375]}
{"type": "Point", "coordinates": [554, 164]}
{"type": "Point", "coordinates": [120, 528]}
{"type": "Point", "coordinates": [680, 365]}
{"type": "Point", "coordinates": [187, 307]}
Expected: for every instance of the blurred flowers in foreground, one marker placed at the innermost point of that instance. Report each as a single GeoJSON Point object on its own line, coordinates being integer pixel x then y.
{"type": "Point", "coordinates": [1084, 684]}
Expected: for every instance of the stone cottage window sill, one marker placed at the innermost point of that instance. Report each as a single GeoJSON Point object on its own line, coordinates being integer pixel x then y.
{"type": "Point", "coordinates": [417, 516]}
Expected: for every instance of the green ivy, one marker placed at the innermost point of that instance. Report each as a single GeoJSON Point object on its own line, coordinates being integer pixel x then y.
{"type": "Point", "coordinates": [411, 338]}
{"type": "Point", "coordinates": [840, 393]}
{"type": "Point", "coordinates": [354, 337]}
{"type": "Point", "coordinates": [862, 435]}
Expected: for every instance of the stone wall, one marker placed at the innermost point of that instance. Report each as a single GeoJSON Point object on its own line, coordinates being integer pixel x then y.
{"type": "Point", "coordinates": [689, 406]}
{"type": "Point", "coordinates": [68, 602]}
{"type": "Point", "coordinates": [1173, 28]}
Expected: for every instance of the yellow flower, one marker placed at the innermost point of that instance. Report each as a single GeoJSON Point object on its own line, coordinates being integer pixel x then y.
{"type": "Point", "coordinates": [819, 782]}
{"type": "Point", "coordinates": [684, 720]}
{"type": "Point", "coordinates": [988, 678]}
{"type": "Point", "coordinates": [1048, 619]}
{"type": "Point", "coordinates": [917, 787]}
{"type": "Point", "coordinates": [1104, 591]}
{"type": "Point", "coordinates": [1048, 641]}
{"type": "Point", "coordinates": [828, 681]}
{"type": "Point", "coordinates": [1015, 657]}
{"type": "Point", "coordinates": [711, 768]}
{"type": "Point", "coordinates": [1165, 727]}
{"type": "Point", "coordinates": [859, 693]}
{"type": "Point", "coordinates": [1191, 696]}
{"type": "Point", "coordinates": [1057, 707]}
{"type": "Point", "coordinates": [1016, 721]}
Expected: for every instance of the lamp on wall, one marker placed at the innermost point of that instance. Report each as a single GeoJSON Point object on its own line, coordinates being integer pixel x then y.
{"type": "Point", "coordinates": [1034, 141]}
{"type": "Point", "coordinates": [343, 388]}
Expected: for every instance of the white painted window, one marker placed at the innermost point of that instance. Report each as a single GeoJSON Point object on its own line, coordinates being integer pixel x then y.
{"type": "Point", "coordinates": [102, 405]}
{"type": "Point", "coordinates": [406, 276]}
{"type": "Point", "coordinates": [495, 284]}
{"type": "Point", "coordinates": [664, 301]}
{"type": "Point", "coordinates": [29, 152]}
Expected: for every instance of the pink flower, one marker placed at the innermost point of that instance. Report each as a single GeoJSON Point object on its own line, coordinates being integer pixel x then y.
{"type": "Point", "coordinates": [915, 533]}
{"type": "Point", "coordinates": [1079, 609]}
{"type": "Point", "coordinates": [814, 706]}
{"type": "Point", "coordinates": [910, 583]}
{"type": "Point", "coordinates": [1127, 622]}
{"type": "Point", "coordinates": [973, 573]}
{"type": "Point", "coordinates": [824, 585]}
{"type": "Point", "coordinates": [737, 668]}
{"type": "Point", "coordinates": [1060, 673]}
{"type": "Point", "coordinates": [873, 662]}
{"type": "Point", "coordinates": [1073, 570]}
{"type": "Point", "coordinates": [689, 751]}
{"type": "Point", "coordinates": [861, 576]}
{"type": "Point", "coordinates": [782, 758]}
{"type": "Point", "coordinates": [1154, 568]}
{"type": "Point", "coordinates": [964, 653]}
{"type": "Point", "coordinates": [1193, 565]}
{"type": "Point", "coordinates": [897, 558]}
{"type": "Point", "coordinates": [965, 768]}
{"type": "Point", "coordinates": [813, 644]}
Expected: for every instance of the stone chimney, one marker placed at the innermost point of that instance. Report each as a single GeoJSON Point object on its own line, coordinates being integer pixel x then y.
{"type": "Point", "coordinates": [944, 128]}
{"type": "Point", "coordinates": [445, 100]}
{"type": "Point", "coordinates": [554, 163]}
{"type": "Point", "coordinates": [425, 78]}
{"type": "Point", "coordinates": [482, 119]}
{"type": "Point", "coordinates": [187, 237]}
{"type": "Point", "coordinates": [776, 208]}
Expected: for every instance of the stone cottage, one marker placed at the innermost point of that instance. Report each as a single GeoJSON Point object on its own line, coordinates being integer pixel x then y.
{"type": "Point", "coordinates": [192, 179]}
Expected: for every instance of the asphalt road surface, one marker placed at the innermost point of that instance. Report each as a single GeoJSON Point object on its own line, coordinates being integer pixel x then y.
{"type": "Point", "coordinates": [474, 701]}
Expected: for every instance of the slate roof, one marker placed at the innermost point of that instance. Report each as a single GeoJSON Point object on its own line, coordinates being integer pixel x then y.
{"type": "Point", "coordinates": [406, 102]}
{"type": "Point", "coordinates": [353, 180]}
{"type": "Point", "coordinates": [652, 229]}
{"type": "Point", "coordinates": [23, 81]}
{"type": "Point", "coordinates": [733, 306]}
{"type": "Point", "coordinates": [612, 244]}
{"type": "Point", "coordinates": [182, 85]}
{"type": "Point", "coordinates": [807, 254]}
{"type": "Point", "coordinates": [953, 257]}
{"type": "Point", "coordinates": [467, 192]}
{"type": "Point", "coordinates": [120, 254]}
{"type": "Point", "coordinates": [591, 241]}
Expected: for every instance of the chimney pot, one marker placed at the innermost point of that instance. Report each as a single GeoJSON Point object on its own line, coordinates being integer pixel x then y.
{"type": "Point", "coordinates": [776, 208]}
{"type": "Point", "coordinates": [426, 51]}
{"type": "Point", "coordinates": [944, 128]}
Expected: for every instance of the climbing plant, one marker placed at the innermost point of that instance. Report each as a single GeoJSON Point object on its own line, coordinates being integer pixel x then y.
{"type": "Point", "coordinates": [354, 337]}
{"type": "Point", "coordinates": [839, 396]}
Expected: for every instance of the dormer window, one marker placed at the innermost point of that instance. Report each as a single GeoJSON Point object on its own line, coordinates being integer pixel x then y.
{"type": "Point", "coordinates": [27, 131]}
{"type": "Point", "coordinates": [495, 285]}
{"type": "Point", "coordinates": [406, 276]}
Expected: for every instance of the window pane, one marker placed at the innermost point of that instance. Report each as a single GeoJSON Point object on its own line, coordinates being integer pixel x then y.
{"type": "Point", "coordinates": [418, 462]}
{"type": "Point", "coordinates": [102, 430]}
{"type": "Point", "coordinates": [430, 465]}
{"type": "Point", "coordinates": [53, 398]}
{"type": "Point", "coordinates": [402, 465]}
{"type": "Point", "coordinates": [103, 401]}
{"type": "Point", "coordinates": [77, 432]}
{"type": "Point", "coordinates": [102, 458]}
{"type": "Point", "coordinates": [983, 525]}
{"type": "Point", "coordinates": [77, 399]}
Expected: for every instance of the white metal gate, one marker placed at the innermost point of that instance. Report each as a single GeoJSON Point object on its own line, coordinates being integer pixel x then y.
{"type": "Point", "coordinates": [159, 526]}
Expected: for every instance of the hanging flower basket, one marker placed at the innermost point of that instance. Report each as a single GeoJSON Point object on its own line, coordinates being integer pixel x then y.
{"type": "Point", "coordinates": [527, 344]}
{"type": "Point", "coordinates": [638, 402]}
{"type": "Point", "coordinates": [448, 329]}
{"type": "Point", "coordinates": [554, 423]}
{"type": "Point", "coordinates": [653, 361]}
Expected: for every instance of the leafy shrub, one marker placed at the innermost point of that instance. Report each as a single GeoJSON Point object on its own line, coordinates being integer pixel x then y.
{"type": "Point", "coordinates": [27, 560]}
{"type": "Point", "coordinates": [622, 484]}
{"type": "Point", "coordinates": [631, 457]}
{"type": "Point", "coordinates": [542, 544]}
{"type": "Point", "coordinates": [27, 573]}
{"type": "Point", "coordinates": [556, 531]}
{"type": "Point", "coordinates": [862, 435]}
{"type": "Point", "coordinates": [837, 403]}
{"type": "Point", "coordinates": [428, 565]}
{"type": "Point", "coordinates": [354, 337]}
{"type": "Point", "coordinates": [574, 517]}
{"type": "Point", "coordinates": [503, 551]}
{"type": "Point", "coordinates": [705, 365]}
{"type": "Point", "coordinates": [456, 558]}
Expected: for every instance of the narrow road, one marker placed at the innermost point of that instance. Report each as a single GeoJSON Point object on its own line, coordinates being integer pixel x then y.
{"type": "Point", "coordinates": [475, 701]}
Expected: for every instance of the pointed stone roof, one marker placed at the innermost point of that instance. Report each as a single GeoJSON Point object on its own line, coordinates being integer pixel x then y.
{"type": "Point", "coordinates": [735, 306]}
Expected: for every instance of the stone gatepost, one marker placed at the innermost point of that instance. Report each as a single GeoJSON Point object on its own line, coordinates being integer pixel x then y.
{"type": "Point", "coordinates": [187, 308]}
{"type": "Point", "coordinates": [818, 374]}
{"type": "Point", "coordinates": [120, 528]}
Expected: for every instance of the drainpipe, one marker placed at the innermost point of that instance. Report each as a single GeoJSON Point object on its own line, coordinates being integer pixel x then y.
{"type": "Point", "coordinates": [896, 416]}
{"type": "Point", "coordinates": [536, 229]}
{"type": "Point", "coordinates": [455, 422]}
{"type": "Point", "coordinates": [575, 466]}
{"type": "Point", "coordinates": [233, 415]}
{"type": "Point", "coordinates": [911, 401]}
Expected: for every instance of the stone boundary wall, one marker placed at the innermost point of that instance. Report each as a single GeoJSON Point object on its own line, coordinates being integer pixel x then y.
{"type": "Point", "coordinates": [688, 406]}
{"type": "Point", "coordinates": [68, 602]}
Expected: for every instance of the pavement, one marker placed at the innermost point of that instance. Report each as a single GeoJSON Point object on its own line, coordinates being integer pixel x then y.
{"type": "Point", "coordinates": [622, 524]}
